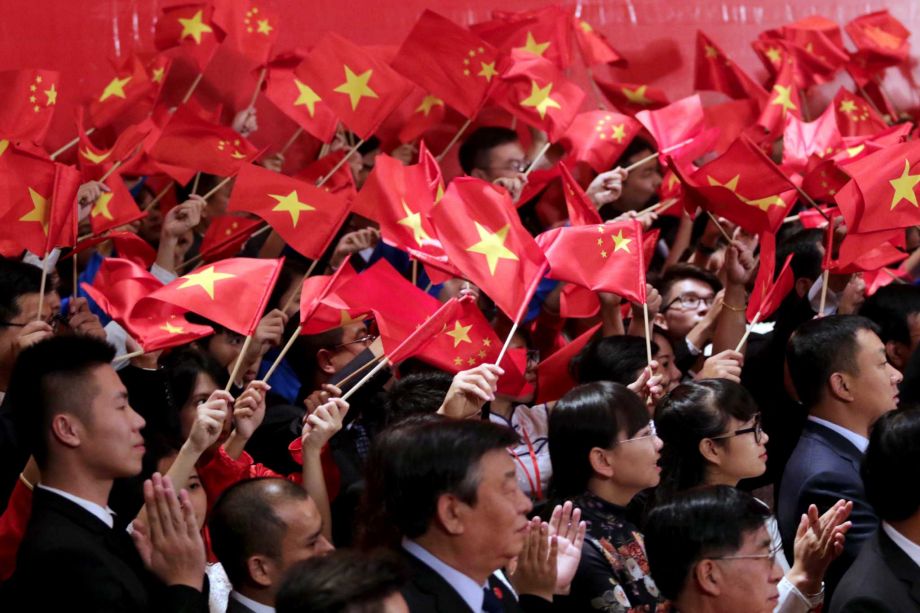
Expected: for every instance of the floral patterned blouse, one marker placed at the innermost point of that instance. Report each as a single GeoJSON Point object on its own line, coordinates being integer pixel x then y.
{"type": "Point", "coordinates": [613, 574]}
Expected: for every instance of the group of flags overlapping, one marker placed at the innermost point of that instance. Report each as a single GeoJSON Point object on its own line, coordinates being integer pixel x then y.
{"type": "Point", "coordinates": [854, 160]}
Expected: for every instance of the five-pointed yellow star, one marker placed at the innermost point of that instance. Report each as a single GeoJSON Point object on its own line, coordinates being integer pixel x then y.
{"type": "Point", "coordinates": [460, 334]}
{"type": "Point", "coordinates": [540, 98]}
{"type": "Point", "coordinates": [51, 93]}
{"type": "Point", "coordinates": [168, 327]}
{"type": "Point", "coordinates": [306, 96]}
{"type": "Point", "coordinates": [115, 88]}
{"type": "Point", "coordinates": [847, 106]}
{"type": "Point", "coordinates": [619, 132]}
{"type": "Point", "coordinates": [783, 97]}
{"type": "Point", "coordinates": [4, 143]}
{"type": "Point", "coordinates": [492, 245]}
{"type": "Point", "coordinates": [711, 51]}
{"type": "Point", "coordinates": [356, 86]}
{"type": "Point", "coordinates": [773, 54]}
{"type": "Point", "coordinates": [413, 221]}
{"type": "Point", "coordinates": [637, 96]}
{"type": "Point", "coordinates": [533, 46]}
{"type": "Point", "coordinates": [428, 102]}
{"type": "Point", "coordinates": [488, 70]}
{"type": "Point", "coordinates": [158, 74]}
{"type": "Point", "coordinates": [93, 156]}
{"type": "Point", "coordinates": [621, 242]}
{"type": "Point", "coordinates": [264, 27]}
{"type": "Point", "coordinates": [763, 203]}
{"type": "Point", "coordinates": [194, 27]}
{"type": "Point", "coordinates": [205, 280]}
{"type": "Point", "coordinates": [291, 204]}
{"type": "Point", "coordinates": [904, 187]}
{"type": "Point", "coordinates": [40, 211]}
{"type": "Point", "coordinates": [585, 26]}
{"type": "Point", "coordinates": [102, 206]}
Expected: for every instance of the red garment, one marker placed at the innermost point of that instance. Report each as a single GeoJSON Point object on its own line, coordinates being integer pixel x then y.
{"type": "Point", "coordinates": [13, 524]}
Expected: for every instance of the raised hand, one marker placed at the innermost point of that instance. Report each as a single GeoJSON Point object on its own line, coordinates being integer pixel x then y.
{"type": "Point", "coordinates": [723, 365]}
{"type": "Point", "coordinates": [535, 572]}
{"type": "Point", "coordinates": [470, 390]}
{"type": "Point", "coordinates": [566, 526]}
{"type": "Point", "coordinates": [322, 424]}
{"type": "Point", "coordinates": [209, 421]}
{"type": "Point", "coordinates": [249, 409]}
{"type": "Point", "coordinates": [321, 396]}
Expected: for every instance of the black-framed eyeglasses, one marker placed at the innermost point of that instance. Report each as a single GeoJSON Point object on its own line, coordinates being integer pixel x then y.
{"type": "Point", "coordinates": [690, 301]}
{"type": "Point", "coordinates": [367, 339]}
{"type": "Point", "coordinates": [652, 432]}
{"type": "Point", "coordinates": [757, 429]}
{"type": "Point", "coordinates": [54, 321]}
{"type": "Point", "coordinates": [772, 555]}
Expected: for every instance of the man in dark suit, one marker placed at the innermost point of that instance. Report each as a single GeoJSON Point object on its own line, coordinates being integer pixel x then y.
{"type": "Point", "coordinates": [841, 374]}
{"type": "Point", "coordinates": [886, 575]}
{"type": "Point", "coordinates": [83, 434]}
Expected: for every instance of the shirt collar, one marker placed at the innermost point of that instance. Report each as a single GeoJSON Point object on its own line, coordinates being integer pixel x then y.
{"type": "Point", "coordinates": [858, 440]}
{"type": "Point", "coordinates": [909, 547]}
{"type": "Point", "coordinates": [105, 514]}
{"type": "Point", "coordinates": [469, 590]}
{"type": "Point", "coordinates": [257, 607]}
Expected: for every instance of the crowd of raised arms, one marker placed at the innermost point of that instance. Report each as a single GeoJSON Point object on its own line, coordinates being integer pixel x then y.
{"type": "Point", "coordinates": [474, 335]}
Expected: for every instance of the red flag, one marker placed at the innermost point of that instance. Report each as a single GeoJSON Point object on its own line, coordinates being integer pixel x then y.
{"type": "Point", "coordinates": [342, 183]}
{"type": "Point", "coordinates": [888, 182]}
{"type": "Point", "coordinates": [801, 140]}
{"type": "Point", "coordinates": [855, 116]}
{"type": "Point", "coordinates": [27, 102]}
{"type": "Point", "coordinates": [824, 181]}
{"type": "Point", "coordinates": [594, 46]}
{"type": "Point", "coordinates": [768, 293]}
{"type": "Point", "coordinates": [320, 308]}
{"type": "Point", "coordinates": [783, 100]}
{"type": "Point", "coordinates": [630, 98]}
{"type": "Point", "coordinates": [357, 84]}
{"type": "Point", "coordinates": [130, 93]}
{"type": "Point", "coordinates": [299, 101]}
{"type": "Point", "coordinates": [231, 292]}
{"type": "Point", "coordinates": [448, 61]}
{"type": "Point", "coordinates": [603, 258]}
{"type": "Point", "coordinates": [599, 138]}
{"type": "Point", "coordinates": [553, 376]}
{"type": "Point", "coordinates": [226, 236]}
{"type": "Point", "coordinates": [250, 27]}
{"type": "Point", "coordinates": [677, 123]}
{"type": "Point", "coordinates": [533, 90]}
{"type": "Point", "coordinates": [716, 72]}
{"type": "Point", "coordinates": [190, 27]}
{"type": "Point", "coordinates": [128, 246]}
{"type": "Point", "coordinates": [582, 211]}
{"type": "Point", "coordinates": [305, 216]}
{"type": "Point", "coordinates": [483, 236]}
{"type": "Point", "coordinates": [733, 119]}
{"type": "Point", "coordinates": [419, 113]}
{"type": "Point", "coordinates": [541, 33]}
{"type": "Point", "coordinates": [114, 208]}
{"type": "Point", "coordinates": [881, 41]}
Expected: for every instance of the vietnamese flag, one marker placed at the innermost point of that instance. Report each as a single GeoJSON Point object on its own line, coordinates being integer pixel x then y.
{"type": "Point", "coordinates": [233, 293]}
{"type": "Point", "coordinates": [594, 46]}
{"type": "Point", "coordinates": [581, 210]}
{"type": "Point", "coordinates": [359, 86]}
{"type": "Point", "coordinates": [28, 98]}
{"type": "Point", "coordinates": [630, 98]}
{"type": "Point", "coordinates": [448, 61]}
{"type": "Point", "coordinates": [544, 33]}
{"type": "Point", "coordinates": [888, 182]}
{"type": "Point", "coordinates": [716, 72]}
{"type": "Point", "coordinates": [251, 28]}
{"type": "Point", "coordinates": [190, 27]}
{"type": "Point", "coordinates": [296, 99]}
{"type": "Point", "coordinates": [226, 236]}
{"type": "Point", "coordinates": [128, 246]}
{"type": "Point", "coordinates": [535, 91]}
{"type": "Point", "coordinates": [603, 258]}
{"type": "Point", "coordinates": [482, 234]}
{"type": "Point", "coordinates": [305, 216]}
{"type": "Point", "coordinates": [129, 93]}
{"type": "Point", "coordinates": [114, 208]}
{"type": "Point", "coordinates": [599, 138]}
{"type": "Point", "coordinates": [855, 116]}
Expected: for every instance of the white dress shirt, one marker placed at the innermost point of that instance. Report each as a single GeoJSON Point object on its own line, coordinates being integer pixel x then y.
{"type": "Point", "coordinates": [909, 547]}
{"type": "Point", "coordinates": [860, 441]}
{"type": "Point", "coordinates": [258, 607]}
{"type": "Point", "coordinates": [469, 590]}
{"type": "Point", "coordinates": [105, 514]}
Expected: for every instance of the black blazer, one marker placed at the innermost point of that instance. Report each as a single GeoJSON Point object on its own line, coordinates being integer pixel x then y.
{"type": "Point", "coordinates": [883, 579]}
{"type": "Point", "coordinates": [70, 560]}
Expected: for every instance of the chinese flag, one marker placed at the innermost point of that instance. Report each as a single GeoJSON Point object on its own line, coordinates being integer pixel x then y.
{"type": "Point", "coordinates": [888, 182]}
{"type": "Point", "coordinates": [823, 182]}
{"type": "Point", "coordinates": [359, 86]}
{"type": "Point", "coordinates": [423, 334]}
{"type": "Point", "coordinates": [119, 287]}
{"type": "Point", "coordinates": [594, 46]}
{"type": "Point", "coordinates": [188, 141]}
{"type": "Point", "coordinates": [232, 293]}
{"type": "Point", "coordinates": [534, 90]}
{"type": "Point", "coordinates": [801, 140]}
{"type": "Point", "coordinates": [342, 183]}
{"type": "Point", "coordinates": [881, 41]}
{"type": "Point", "coordinates": [716, 72]}
{"type": "Point", "coordinates": [191, 28]}
{"type": "Point", "coordinates": [630, 98]}
{"type": "Point", "coordinates": [226, 236]}
{"type": "Point", "coordinates": [544, 33]}
{"type": "Point", "coordinates": [768, 293]}
{"type": "Point", "coordinates": [27, 102]}
{"type": "Point", "coordinates": [114, 208]}
{"type": "Point", "coordinates": [129, 93]}
{"type": "Point", "coordinates": [855, 116]}
{"type": "Point", "coordinates": [483, 237]}
{"type": "Point", "coordinates": [783, 100]}
{"type": "Point", "coordinates": [305, 216]}
{"type": "Point", "coordinates": [603, 258]}
{"type": "Point", "coordinates": [554, 379]}
{"type": "Point", "coordinates": [251, 29]}
{"type": "Point", "coordinates": [598, 138]}
{"type": "Point", "coordinates": [296, 99]}
{"type": "Point", "coordinates": [581, 210]}
{"type": "Point", "coordinates": [448, 61]}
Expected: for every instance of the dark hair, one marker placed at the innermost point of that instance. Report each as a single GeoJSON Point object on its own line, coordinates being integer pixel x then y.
{"type": "Point", "coordinates": [695, 524]}
{"type": "Point", "coordinates": [821, 347]}
{"type": "Point", "coordinates": [342, 582]}
{"type": "Point", "coordinates": [53, 377]}
{"type": "Point", "coordinates": [181, 368]}
{"type": "Point", "coordinates": [681, 272]}
{"type": "Point", "coordinates": [476, 149]}
{"type": "Point", "coordinates": [637, 145]}
{"type": "Point", "coordinates": [889, 308]}
{"type": "Point", "coordinates": [244, 523]}
{"type": "Point", "coordinates": [685, 416]}
{"type": "Point", "coordinates": [611, 358]}
{"type": "Point", "coordinates": [589, 416]}
{"type": "Point", "coordinates": [420, 392]}
{"type": "Point", "coordinates": [805, 245]}
{"type": "Point", "coordinates": [16, 279]}
{"type": "Point", "coordinates": [302, 357]}
{"type": "Point", "coordinates": [414, 463]}
{"type": "Point", "coordinates": [891, 468]}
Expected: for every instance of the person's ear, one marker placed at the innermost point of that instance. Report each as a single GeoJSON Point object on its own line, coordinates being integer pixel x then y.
{"type": "Point", "coordinates": [708, 577]}
{"type": "Point", "coordinates": [711, 451]}
{"type": "Point", "coordinates": [600, 462]}
{"type": "Point", "coordinates": [841, 386]}
{"type": "Point", "coordinates": [802, 285]}
{"type": "Point", "coordinates": [660, 321]}
{"type": "Point", "coordinates": [898, 354]}
{"type": "Point", "coordinates": [66, 428]}
{"type": "Point", "coordinates": [479, 173]}
{"type": "Point", "coordinates": [451, 512]}
{"type": "Point", "coordinates": [261, 570]}
{"type": "Point", "coordinates": [324, 361]}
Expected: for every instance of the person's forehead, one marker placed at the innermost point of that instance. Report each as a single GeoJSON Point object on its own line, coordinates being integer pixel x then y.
{"type": "Point", "coordinates": [688, 285]}
{"type": "Point", "coordinates": [507, 151]}
{"type": "Point", "coordinates": [300, 515]}
{"type": "Point", "coordinates": [756, 540]}
{"type": "Point", "coordinates": [353, 330]}
{"type": "Point", "coordinates": [868, 341]}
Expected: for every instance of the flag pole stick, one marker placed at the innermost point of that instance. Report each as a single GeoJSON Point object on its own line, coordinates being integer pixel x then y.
{"type": "Point", "coordinates": [255, 93]}
{"type": "Point", "coordinates": [648, 334]}
{"type": "Point", "coordinates": [192, 87]}
{"type": "Point", "coordinates": [159, 196]}
{"type": "Point", "coordinates": [453, 141]}
{"type": "Point", "coordinates": [358, 371]}
{"type": "Point", "coordinates": [340, 163]}
{"type": "Point", "coordinates": [291, 141]}
{"type": "Point", "coordinates": [216, 188]}
{"type": "Point", "coordinates": [239, 363]}
{"type": "Point", "coordinates": [76, 276]}
{"type": "Point", "coordinates": [653, 156]}
{"type": "Point", "coordinates": [129, 356]}
{"type": "Point", "coordinates": [720, 227]}
{"type": "Point", "coordinates": [894, 277]}
{"type": "Point", "coordinates": [41, 291]}
{"type": "Point", "coordinates": [195, 183]}
{"type": "Point", "coordinates": [414, 272]}
{"type": "Point", "coordinates": [70, 144]}
{"type": "Point", "coordinates": [284, 351]}
{"type": "Point", "coordinates": [110, 171]}
{"type": "Point", "coordinates": [538, 157]}
{"type": "Point", "coordinates": [385, 361]}
{"type": "Point", "coordinates": [824, 279]}
{"type": "Point", "coordinates": [747, 332]}
{"type": "Point", "coordinates": [501, 354]}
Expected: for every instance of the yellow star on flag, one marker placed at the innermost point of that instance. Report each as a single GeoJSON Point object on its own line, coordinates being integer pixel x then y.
{"type": "Point", "coordinates": [847, 106]}
{"type": "Point", "coordinates": [621, 242]}
{"type": "Point", "coordinates": [51, 93]}
{"type": "Point", "coordinates": [158, 74]}
{"type": "Point", "coordinates": [4, 143]}
{"type": "Point", "coordinates": [486, 342]}
{"type": "Point", "coordinates": [618, 133]}
{"type": "Point", "coordinates": [102, 206]}
{"type": "Point", "coordinates": [488, 70]}
{"type": "Point", "coordinates": [413, 221]}
{"type": "Point", "coordinates": [264, 27]}
{"type": "Point", "coordinates": [904, 187]}
{"type": "Point", "coordinates": [115, 88]}
{"type": "Point", "coordinates": [773, 54]}
{"type": "Point", "coordinates": [460, 333]}
{"type": "Point", "coordinates": [540, 99]}
{"type": "Point", "coordinates": [291, 204]}
{"type": "Point", "coordinates": [356, 86]}
{"type": "Point", "coordinates": [194, 27]}
{"type": "Point", "coordinates": [585, 26]}
{"type": "Point", "coordinates": [205, 280]}
{"type": "Point", "coordinates": [637, 96]}
{"type": "Point", "coordinates": [306, 96]}
{"type": "Point", "coordinates": [40, 211]}
{"type": "Point", "coordinates": [428, 102]}
{"type": "Point", "coordinates": [763, 203]}
{"type": "Point", "coordinates": [492, 245]}
{"type": "Point", "coordinates": [533, 46]}
{"type": "Point", "coordinates": [93, 156]}
{"type": "Point", "coordinates": [168, 327]}
{"type": "Point", "coordinates": [711, 52]}
{"type": "Point", "coordinates": [783, 97]}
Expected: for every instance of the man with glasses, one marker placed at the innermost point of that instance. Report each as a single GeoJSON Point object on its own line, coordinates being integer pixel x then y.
{"type": "Point", "coordinates": [495, 155]}
{"type": "Point", "coordinates": [709, 550]}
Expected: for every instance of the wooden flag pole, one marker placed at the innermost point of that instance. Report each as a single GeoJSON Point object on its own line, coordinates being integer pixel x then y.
{"type": "Point", "coordinates": [129, 356]}
{"type": "Point", "coordinates": [41, 291]}
{"type": "Point", "coordinates": [720, 227]}
{"type": "Point", "coordinates": [454, 140]}
{"type": "Point", "coordinates": [284, 351]}
{"type": "Point", "coordinates": [76, 276]}
{"type": "Point", "coordinates": [111, 171]}
{"type": "Point", "coordinates": [255, 93]}
{"type": "Point", "coordinates": [239, 363]}
{"type": "Point", "coordinates": [309, 272]}
{"type": "Point", "coordinates": [192, 87]}
{"type": "Point", "coordinates": [747, 332]}
{"type": "Point", "coordinates": [70, 144]}
{"type": "Point", "coordinates": [653, 156]}
{"type": "Point", "coordinates": [648, 334]}
{"type": "Point", "coordinates": [825, 277]}
{"type": "Point", "coordinates": [501, 354]}
{"type": "Point", "coordinates": [359, 370]}
{"type": "Point", "coordinates": [158, 197]}
{"type": "Point", "coordinates": [414, 272]}
{"type": "Point", "coordinates": [291, 140]}
{"type": "Point", "coordinates": [217, 187]}
{"type": "Point", "coordinates": [340, 163]}
{"type": "Point", "coordinates": [537, 158]}
{"type": "Point", "coordinates": [384, 362]}
{"type": "Point", "coordinates": [195, 183]}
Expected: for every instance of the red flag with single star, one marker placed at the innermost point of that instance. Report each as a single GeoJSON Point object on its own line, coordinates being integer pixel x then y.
{"type": "Point", "coordinates": [448, 61]}
{"type": "Point", "coordinates": [581, 210]}
{"type": "Point", "coordinates": [535, 91]}
{"type": "Point", "coordinates": [855, 116]}
{"type": "Point", "coordinates": [233, 293]}
{"type": "Point", "coordinates": [251, 28]}
{"type": "Point", "coordinates": [341, 183]}
{"type": "Point", "coordinates": [594, 46]}
{"type": "Point", "coordinates": [482, 234]}
{"type": "Point", "coordinates": [226, 236]}
{"type": "Point", "coordinates": [630, 98]}
{"type": "Point", "coordinates": [802, 140]}
{"type": "Point", "coordinates": [715, 71]}
{"type": "Point", "coordinates": [598, 138]}
{"type": "Point", "coordinates": [129, 93]}
{"type": "Point", "coordinates": [114, 208]}
{"type": "Point", "coordinates": [190, 27]}
{"type": "Point", "coordinates": [422, 112]}
{"type": "Point", "coordinates": [604, 257]}
{"type": "Point", "coordinates": [320, 308]}
{"type": "Point", "coordinates": [783, 100]}
{"type": "Point", "coordinates": [544, 33]}
{"type": "Point", "coordinates": [305, 216]}
{"type": "Point", "coordinates": [128, 246]}
{"type": "Point", "coordinates": [300, 102]}
{"type": "Point", "coordinates": [359, 86]}
{"type": "Point", "coordinates": [887, 181]}
{"type": "Point", "coordinates": [881, 41]}
{"type": "Point", "coordinates": [27, 102]}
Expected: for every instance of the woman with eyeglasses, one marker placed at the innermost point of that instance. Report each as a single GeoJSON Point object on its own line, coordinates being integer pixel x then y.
{"type": "Point", "coordinates": [712, 436]}
{"type": "Point", "coordinates": [604, 451]}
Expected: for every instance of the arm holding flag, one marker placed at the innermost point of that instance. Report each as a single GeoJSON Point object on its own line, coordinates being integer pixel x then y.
{"type": "Point", "coordinates": [738, 267]}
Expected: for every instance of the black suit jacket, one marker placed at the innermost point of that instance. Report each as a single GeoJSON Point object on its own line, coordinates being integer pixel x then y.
{"type": "Point", "coordinates": [70, 560]}
{"type": "Point", "coordinates": [883, 579]}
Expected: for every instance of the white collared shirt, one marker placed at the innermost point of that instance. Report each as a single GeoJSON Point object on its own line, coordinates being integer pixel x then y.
{"type": "Point", "coordinates": [469, 590]}
{"type": "Point", "coordinates": [105, 514]}
{"type": "Point", "coordinates": [909, 547]}
{"type": "Point", "coordinates": [258, 607]}
{"type": "Point", "coordinates": [860, 441]}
